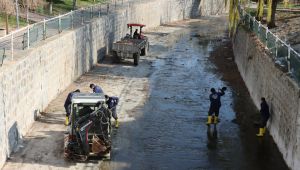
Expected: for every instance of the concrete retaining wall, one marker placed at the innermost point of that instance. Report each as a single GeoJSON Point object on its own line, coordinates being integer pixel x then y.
{"type": "Point", "coordinates": [29, 83]}
{"type": "Point", "coordinates": [264, 78]}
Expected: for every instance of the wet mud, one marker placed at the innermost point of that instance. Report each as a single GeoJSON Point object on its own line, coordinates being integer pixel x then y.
{"type": "Point", "coordinates": [171, 132]}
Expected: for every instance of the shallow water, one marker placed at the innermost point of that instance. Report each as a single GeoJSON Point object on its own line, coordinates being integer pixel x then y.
{"type": "Point", "coordinates": [170, 132]}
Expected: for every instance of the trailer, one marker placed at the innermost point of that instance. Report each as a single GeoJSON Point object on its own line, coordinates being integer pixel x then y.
{"type": "Point", "coordinates": [132, 46]}
{"type": "Point", "coordinates": [89, 131]}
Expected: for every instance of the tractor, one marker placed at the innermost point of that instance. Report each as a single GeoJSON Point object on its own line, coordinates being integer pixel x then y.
{"type": "Point", "coordinates": [132, 46]}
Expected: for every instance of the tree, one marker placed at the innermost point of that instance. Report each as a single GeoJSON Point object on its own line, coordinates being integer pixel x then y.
{"type": "Point", "coordinates": [50, 4]}
{"type": "Point", "coordinates": [260, 10]}
{"type": "Point", "coordinates": [50, 7]}
{"type": "Point", "coordinates": [8, 7]}
{"type": "Point", "coordinates": [233, 16]}
{"type": "Point", "coordinates": [74, 4]}
{"type": "Point", "coordinates": [272, 5]}
{"type": "Point", "coordinates": [17, 13]}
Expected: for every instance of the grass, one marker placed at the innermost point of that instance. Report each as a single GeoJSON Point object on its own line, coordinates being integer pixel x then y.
{"type": "Point", "coordinates": [12, 21]}
{"type": "Point", "coordinates": [64, 6]}
{"type": "Point", "coordinates": [59, 7]}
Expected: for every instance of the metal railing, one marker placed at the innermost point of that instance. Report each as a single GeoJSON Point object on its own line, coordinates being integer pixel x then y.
{"type": "Point", "coordinates": [31, 35]}
{"type": "Point", "coordinates": [283, 54]}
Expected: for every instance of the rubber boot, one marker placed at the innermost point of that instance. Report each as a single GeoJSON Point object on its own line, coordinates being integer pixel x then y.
{"type": "Point", "coordinates": [117, 124]}
{"type": "Point", "coordinates": [261, 132]}
{"type": "Point", "coordinates": [209, 120]}
{"type": "Point", "coordinates": [264, 130]}
{"type": "Point", "coordinates": [67, 121]}
{"type": "Point", "coordinates": [216, 121]}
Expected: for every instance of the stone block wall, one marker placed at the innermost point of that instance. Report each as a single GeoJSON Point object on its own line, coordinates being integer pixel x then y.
{"type": "Point", "coordinates": [264, 79]}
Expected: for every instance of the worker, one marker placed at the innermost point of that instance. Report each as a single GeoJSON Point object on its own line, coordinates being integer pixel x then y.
{"type": "Point", "coordinates": [112, 103]}
{"type": "Point", "coordinates": [265, 114]}
{"type": "Point", "coordinates": [136, 35]}
{"type": "Point", "coordinates": [67, 105]}
{"type": "Point", "coordinates": [215, 104]}
{"type": "Point", "coordinates": [96, 89]}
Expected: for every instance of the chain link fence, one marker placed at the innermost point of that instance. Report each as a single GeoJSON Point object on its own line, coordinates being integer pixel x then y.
{"type": "Point", "coordinates": [283, 54]}
{"type": "Point", "coordinates": [31, 35]}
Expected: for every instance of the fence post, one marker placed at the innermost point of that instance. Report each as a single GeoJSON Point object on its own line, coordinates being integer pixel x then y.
{"type": "Point", "coordinates": [249, 20]}
{"type": "Point", "coordinates": [100, 11]}
{"type": "Point", "coordinates": [91, 12]}
{"type": "Point", "coordinates": [288, 58]}
{"type": "Point", "coordinates": [3, 57]}
{"type": "Point", "coordinates": [253, 20]}
{"type": "Point", "coordinates": [28, 37]}
{"type": "Point", "coordinates": [44, 29]}
{"type": "Point", "coordinates": [276, 46]}
{"type": "Point", "coordinates": [81, 12]}
{"type": "Point", "coordinates": [72, 19]}
{"type": "Point", "coordinates": [107, 9]}
{"type": "Point", "coordinates": [259, 27]}
{"type": "Point", "coordinates": [12, 46]}
{"type": "Point", "coordinates": [59, 24]}
{"type": "Point", "coordinates": [267, 31]}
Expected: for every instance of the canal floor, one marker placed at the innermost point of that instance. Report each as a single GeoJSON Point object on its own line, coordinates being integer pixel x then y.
{"type": "Point", "coordinates": [163, 109]}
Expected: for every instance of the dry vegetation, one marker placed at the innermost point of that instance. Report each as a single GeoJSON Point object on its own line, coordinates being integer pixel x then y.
{"type": "Point", "coordinates": [9, 5]}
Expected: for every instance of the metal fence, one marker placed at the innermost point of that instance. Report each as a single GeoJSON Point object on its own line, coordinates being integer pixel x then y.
{"type": "Point", "coordinates": [31, 35]}
{"type": "Point", "coordinates": [283, 54]}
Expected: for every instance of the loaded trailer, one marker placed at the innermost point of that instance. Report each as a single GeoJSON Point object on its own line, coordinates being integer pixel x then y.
{"type": "Point", "coordinates": [132, 46]}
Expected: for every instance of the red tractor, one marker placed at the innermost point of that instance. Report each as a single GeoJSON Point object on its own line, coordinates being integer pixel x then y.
{"type": "Point", "coordinates": [133, 45]}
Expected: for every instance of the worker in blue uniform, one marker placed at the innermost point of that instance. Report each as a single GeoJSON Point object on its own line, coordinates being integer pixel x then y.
{"type": "Point", "coordinates": [112, 103]}
{"type": "Point", "coordinates": [215, 104]}
{"type": "Point", "coordinates": [67, 105]}
{"type": "Point", "coordinates": [96, 89]}
{"type": "Point", "coordinates": [265, 114]}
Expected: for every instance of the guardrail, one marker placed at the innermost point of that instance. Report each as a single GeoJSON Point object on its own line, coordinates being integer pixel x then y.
{"type": "Point", "coordinates": [31, 35]}
{"type": "Point", "coordinates": [2, 56]}
{"type": "Point", "coordinates": [283, 53]}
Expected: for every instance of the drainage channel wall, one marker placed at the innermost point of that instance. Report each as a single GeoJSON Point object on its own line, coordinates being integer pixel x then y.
{"type": "Point", "coordinates": [264, 79]}
{"type": "Point", "coordinates": [29, 83]}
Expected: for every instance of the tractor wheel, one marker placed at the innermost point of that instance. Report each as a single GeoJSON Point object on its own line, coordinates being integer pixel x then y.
{"type": "Point", "coordinates": [136, 58]}
{"type": "Point", "coordinates": [116, 58]}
